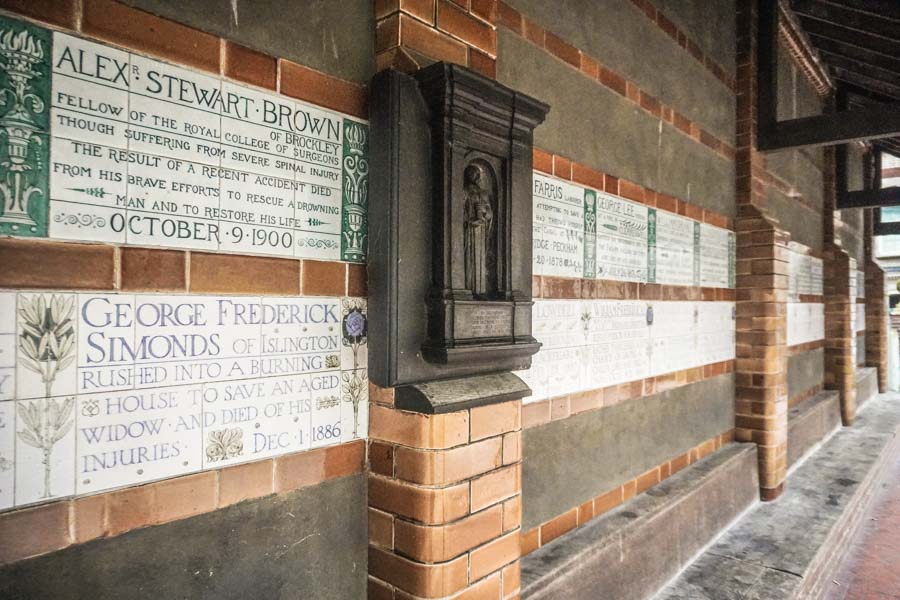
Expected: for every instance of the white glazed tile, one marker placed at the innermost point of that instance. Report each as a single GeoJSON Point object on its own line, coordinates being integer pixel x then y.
{"type": "Point", "coordinates": [8, 341]}
{"type": "Point", "coordinates": [175, 339]}
{"type": "Point", "coordinates": [253, 419]}
{"type": "Point", "coordinates": [45, 449]}
{"type": "Point", "coordinates": [559, 212]}
{"type": "Point", "coordinates": [326, 422]}
{"type": "Point", "coordinates": [78, 58]}
{"type": "Point", "coordinates": [86, 222]}
{"type": "Point", "coordinates": [621, 239]}
{"type": "Point", "coordinates": [132, 437]}
{"type": "Point", "coordinates": [714, 257]}
{"type": "Point", "coordinates": [354, 405]}
{"type": "Point", "coordinates": [51, 316]}
{"type": "Point", "coordinates": [106, 344]}
{"type": "Point", "coordinates": [7, 454]}
{"type": "Point", "coordinates": [674, 249]}
{"type": "Point", "coordinates": [302, 332]}
{"type": "Point", "coordinates": [88, 112]}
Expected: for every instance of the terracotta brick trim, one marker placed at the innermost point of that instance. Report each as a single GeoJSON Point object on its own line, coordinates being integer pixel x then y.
{"type": "Point", "coordinates": [445, 501]}
{"type": "Point", "coordinates": [410, 34]}
{"type": "Point", "coordinates": [550, 530]}
{"type": "Point", "coordinates": [49, 527]}
{"type": "Point", "coordinates": [562, 407]}
{"type": "Point", "coordinates": [71, 265]}
{"type": "Point", "coordinates": [116, 23]}
{"type": "Point", "coordinates": [594, 69]}
{"type": "Point", "coordinates": [805, 347]}
{"type": "Point", "coordinates": [671, 29]}
{"type": "Point", "coordinates": [580, 173]}
{"type": "Point", "coordinates": [805, 394]}
{"type": "Point", "coordinates": [572, 288]}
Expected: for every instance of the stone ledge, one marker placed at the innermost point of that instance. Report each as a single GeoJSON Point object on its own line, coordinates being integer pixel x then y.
{"type": "Point", "coordinates": [633, 550]}
{"type": "Point", "coordinates": [788, 548]}
{"type": "Point", "coordinates": [810, 422]}
{"type": "Point", "coordinates": [866, 385]}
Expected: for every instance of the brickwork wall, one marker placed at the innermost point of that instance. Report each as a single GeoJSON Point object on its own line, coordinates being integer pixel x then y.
{"type": "Point", "coordinates": [119, 519]}
{"type": "Point", "coordinates": [445, 503]}
{"type": "Point", "coordinates": [761, 395]}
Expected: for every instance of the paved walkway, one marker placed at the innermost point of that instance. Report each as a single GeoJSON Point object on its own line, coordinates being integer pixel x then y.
{"type": "Point", "coordinates": [871, 570]}
{"type": "Point", "coordinates": [774, 552]}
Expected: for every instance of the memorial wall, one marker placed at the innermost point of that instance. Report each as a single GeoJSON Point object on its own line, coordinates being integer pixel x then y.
{"type": "Point", "coordinates": [104, 390]}
{"type": "Point", "coordinates": [590, 344]}
{"type": "Point", "coordinates": [805, 323]}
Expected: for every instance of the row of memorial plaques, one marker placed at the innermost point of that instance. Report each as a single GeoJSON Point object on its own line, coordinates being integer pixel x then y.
{"type": "Point", "coordinates": [805, 272]}
{"type": "Point", "coordinates": [99, 391]}
{"type": "Point", "coordinates": [581, 232]}
{"type": "Point", "coordinates": [589, 344]}
{"type": "Point", "coordinates": [108, 145]}
{"type": "Point", "coordinates": [805, 322]}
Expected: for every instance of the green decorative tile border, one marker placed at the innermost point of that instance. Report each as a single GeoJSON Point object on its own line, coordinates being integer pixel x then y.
{"type": "Point", "coordinates": [25, 52]}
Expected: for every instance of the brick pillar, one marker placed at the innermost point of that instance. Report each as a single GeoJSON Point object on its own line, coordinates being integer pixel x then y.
{"type": "Point", "coordinates": [840, 360]}
{"type": "Point", "coordinates": [876, 323]}
{"type": "Point", "coordinates": [876, 309]}
{"type": "Point", "coordinates": [412, 35]}
{"type": "Point", "coordinates": [761, 398]}
{"type": "Point", "coordinates": [445, 504]}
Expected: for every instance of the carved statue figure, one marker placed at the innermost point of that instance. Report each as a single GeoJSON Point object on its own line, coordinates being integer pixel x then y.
{"type": "Point", "coordinates": [479, 215]}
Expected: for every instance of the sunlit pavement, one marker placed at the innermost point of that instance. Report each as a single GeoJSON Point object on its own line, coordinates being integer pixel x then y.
{"type": "Point", "coordinates": [872, 567]}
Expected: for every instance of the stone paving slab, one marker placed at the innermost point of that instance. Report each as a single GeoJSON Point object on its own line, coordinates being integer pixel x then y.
{"type": "Point", "coordinates": [781, 549]}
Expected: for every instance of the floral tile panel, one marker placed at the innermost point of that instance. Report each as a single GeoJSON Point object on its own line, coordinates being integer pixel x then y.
{"type": "Point", "coordinates": [108, 390]}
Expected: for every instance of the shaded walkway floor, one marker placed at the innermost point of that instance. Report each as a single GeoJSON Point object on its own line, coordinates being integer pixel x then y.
{"type": "Point", "coordinates": [871, 570]}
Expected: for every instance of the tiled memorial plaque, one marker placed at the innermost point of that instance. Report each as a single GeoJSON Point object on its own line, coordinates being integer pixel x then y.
{"type": "Point", "coordinates": [581, 232]}
{"type": "Point", "coordinates": [674, 249]}
{"type": "Point", "coordinates": [673, 336]}
{"type": "Point", "coordinates": [805, 322]}
{"type": "Point", "coordinates": [134, 150]}
{"type": "Point", "coordinates": [121, 389]}
{"type": "Point", "coordinates": [589, 344]}
{"type": "Point", "coordinates": [805, 272]}
{"type": "Point", "coordinates": [717, 254]}
{"type": "Point", "coordinates": [621, 239]}
{"type": "Point", "coordinates": [617, 337]}
{"type": "Point", "coordinates": [558, 227]}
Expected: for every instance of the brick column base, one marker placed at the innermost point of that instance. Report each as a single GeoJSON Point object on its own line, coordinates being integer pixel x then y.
{"type": "Point", "coordinates": [876, 323]}
{"type": "Point", "coordinates": [445, 503]}
{"type": "Point", "coordinates": [840, 362]}
{"type": "Point", "coordinates": [761, 398]}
